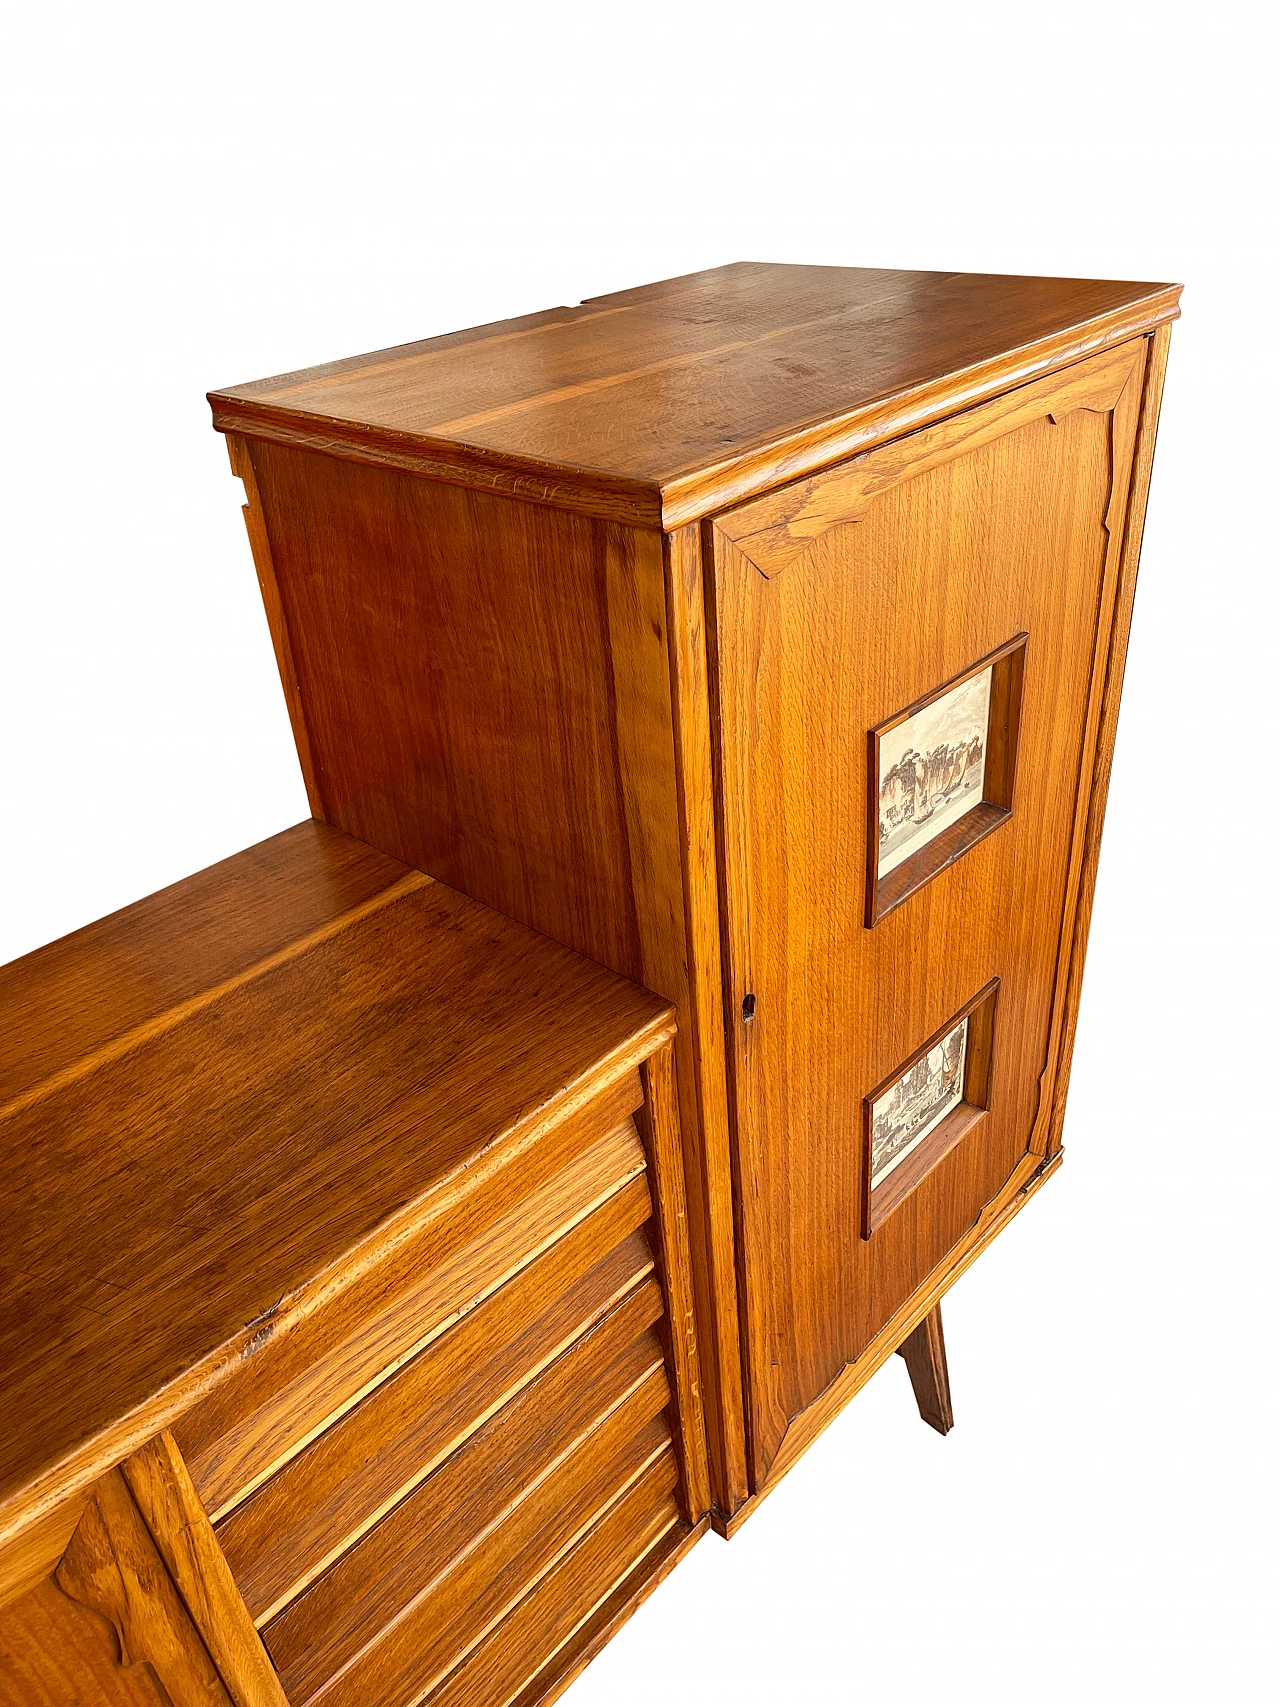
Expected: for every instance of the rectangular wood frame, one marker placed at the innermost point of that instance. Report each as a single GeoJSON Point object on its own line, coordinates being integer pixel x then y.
{"type": "Point", "coordinates": [1008, 667]}
{"type": "Point", "coordinates": [879, 1203]}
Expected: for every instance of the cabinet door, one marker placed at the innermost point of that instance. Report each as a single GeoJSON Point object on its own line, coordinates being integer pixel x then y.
{"type": "Point", "coordinates": [840, 603]}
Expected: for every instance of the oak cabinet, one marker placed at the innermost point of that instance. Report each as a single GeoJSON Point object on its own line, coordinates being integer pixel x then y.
{"type": "Point", "coordinates": [347, 1337]}
{"type": "Point", "coordinates": [603, 617]}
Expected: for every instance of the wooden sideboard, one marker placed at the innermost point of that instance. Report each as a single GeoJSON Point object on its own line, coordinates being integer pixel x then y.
{"type": "Point", "coordinates": [347, 1338]}
{"type": "Point", "coordinates": [607, 616]}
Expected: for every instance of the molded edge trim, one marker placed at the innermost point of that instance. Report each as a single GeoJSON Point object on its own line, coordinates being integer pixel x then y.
{"type": "Point", "coordinates": [701, 492]}
{"type": "Point", "coordinates": [1026, 1179]}
{"type": "Point", "coordinates": [808, 449]}
{"type": "Point", "coordinates": [636, 503]}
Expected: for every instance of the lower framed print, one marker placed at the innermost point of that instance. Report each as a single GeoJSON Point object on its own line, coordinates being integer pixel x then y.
{"type": "Point", "coordinates": [925, 1107]}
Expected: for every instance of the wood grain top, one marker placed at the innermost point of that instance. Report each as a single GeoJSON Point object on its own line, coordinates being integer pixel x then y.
{"type": "Point", "coordinates": [239, 1082]}
{"type": "Point", "coordinates": [661, 404]}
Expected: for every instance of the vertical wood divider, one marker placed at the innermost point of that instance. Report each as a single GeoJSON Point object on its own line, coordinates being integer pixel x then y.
{"type": "Point", "coordinates": [662, 1141]}
{"type": "Point", "coordinates": [172, 1511]}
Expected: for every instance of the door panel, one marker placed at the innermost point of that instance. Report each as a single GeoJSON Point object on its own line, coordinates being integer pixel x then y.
{"type": "Point", "coordinates": [839, 602]}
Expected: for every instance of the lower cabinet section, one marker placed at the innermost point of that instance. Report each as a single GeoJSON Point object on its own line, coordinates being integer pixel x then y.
{"type": "Point", "coordinates": [397, 1542]}
{"type": "Point", "coordinates": [448, 1485]}
{"type": "Point", "coordinates": [572, 1609]}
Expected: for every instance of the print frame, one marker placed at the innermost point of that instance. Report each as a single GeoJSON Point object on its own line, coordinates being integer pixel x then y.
{"type": "Point", "coordinates": [894, 1185]}
{"type": "Point", "coordinates": [888, 885]}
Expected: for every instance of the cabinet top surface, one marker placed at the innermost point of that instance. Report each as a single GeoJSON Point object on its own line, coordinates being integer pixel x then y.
{"type": "Point", "coordinates": [209, 1098]}
{"type": "Point", "coordinates": [674, 398]}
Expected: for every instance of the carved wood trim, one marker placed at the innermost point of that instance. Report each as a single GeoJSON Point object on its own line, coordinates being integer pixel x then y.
{"type": "Point", "coordinates": [1109, 672]}
{"type": "Point", "coordinates": [164, 1493]}
{"type": "Point", "coordinates": [1122, 431]}
{"type": "Point", "coordinates": [112, 1566]}
{"type": "Point", "coordinates": [777, 532]}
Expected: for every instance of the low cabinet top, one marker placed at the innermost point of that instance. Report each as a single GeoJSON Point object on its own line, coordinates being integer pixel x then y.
{"type": "Point", "coordinates": [760, 635]}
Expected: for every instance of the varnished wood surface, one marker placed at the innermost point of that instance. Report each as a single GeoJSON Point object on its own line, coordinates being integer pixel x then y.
{"type": "Point", "coordinates": [511, 730]}
{"type": "Point", "coordinates": [299, 1522]}
{"type": "Point", "coordinates": [469, 1495]}
{"type": "Point", "coordinates": [924, 1351]}
{"type": "Point", "coordinates": [56, 1652]}
{"type": "Point", "coordinates": [658, 405]}
{"type": "Point", "coordinates": [194, 1181]}
{"type": "Point", "coordinates": [263, 1415]}
{"type": "Point", "coordinates": [1011, 522]}
{"type": "Point", "coordinates": [67, 1004]}
{"type": "Point", "coordinates": [479, 687]}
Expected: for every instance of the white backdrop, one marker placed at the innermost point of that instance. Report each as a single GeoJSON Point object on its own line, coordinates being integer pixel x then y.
{"type": "Point", "coordinates": [200, 194]}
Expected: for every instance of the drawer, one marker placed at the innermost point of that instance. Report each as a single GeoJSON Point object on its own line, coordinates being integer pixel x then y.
{"type": "Point", "coordinates": [507, 1209]}
{"type": "Point", "coordinates": [423, 1653]}
{"type": "Point", "coordinates": [520, 1400]}
{"type": "Point", "coordinates": [576, 1603]}
{"type": "Point", "coordinates": [612, 1382]}
{"type": "Point", "coordinates": [311, 1511]}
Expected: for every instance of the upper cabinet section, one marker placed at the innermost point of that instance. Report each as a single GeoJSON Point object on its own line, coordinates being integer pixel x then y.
{"type": "Point", "coordinates": [661, 405]}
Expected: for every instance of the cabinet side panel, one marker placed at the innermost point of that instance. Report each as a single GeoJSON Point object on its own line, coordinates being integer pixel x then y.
{"type": "Point", "coordinates": [1144, 453]}
{"type": "Point", "coordinates": [487, 694]}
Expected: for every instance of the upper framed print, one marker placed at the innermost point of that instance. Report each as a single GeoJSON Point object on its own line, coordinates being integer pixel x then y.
{"type": "Point", "coordinates": [940, 776]}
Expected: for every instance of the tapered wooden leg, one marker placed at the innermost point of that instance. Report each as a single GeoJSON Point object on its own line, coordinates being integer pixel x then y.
{"type": "Point", "coordinates": [925, 1354]}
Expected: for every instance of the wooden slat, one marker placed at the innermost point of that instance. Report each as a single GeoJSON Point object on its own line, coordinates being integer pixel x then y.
{"type": "Point", "coordinates": [113, 1566]}
{"type": "Point", "coordinates": [230, 1454]}
{"type": "Point", "coordinates": [473, 1491]}
{"type": "Point", "coordinates": [419, 1651]}
{"type": "Point", "coordinates": [546, 1621]}
{"type": "Point", "coordinates": [704, 1118]}
{"type": "Point", "coordinates": [286, 1533]}
{"type": "Point", "coordinates": [573, 1656]}
{"type": "Point", "coordinates": [66, 1002]}
{"type": "Point", "coordinates": [666, 1176]}
{"type": "Point", "coordinates": [170, 1507]}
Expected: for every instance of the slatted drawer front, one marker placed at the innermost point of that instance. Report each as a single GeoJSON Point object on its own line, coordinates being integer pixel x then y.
{"type": "Point", "coordinates": [296, 1383]}
{"type": "Point", "coordinates": [393, 1546]}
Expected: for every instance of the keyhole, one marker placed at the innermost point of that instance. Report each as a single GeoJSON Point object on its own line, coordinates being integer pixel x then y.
{"type": "Point", "coordinates": [748, 1008]}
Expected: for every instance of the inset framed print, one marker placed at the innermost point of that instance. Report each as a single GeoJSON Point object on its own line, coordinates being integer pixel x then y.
{"type": "Point", "coordinates": [925, 1107]}
{"type": "Point", "coordinates": [940, 776]}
